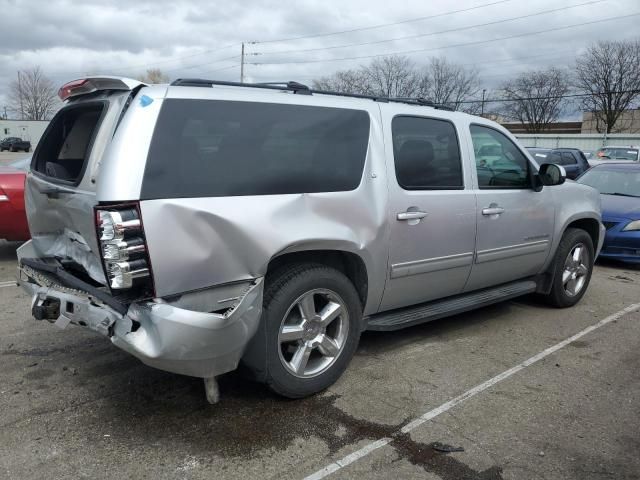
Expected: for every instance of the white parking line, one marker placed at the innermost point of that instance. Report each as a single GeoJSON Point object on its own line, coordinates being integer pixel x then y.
{"type": "Point", "coordinates": [8, 284]}
{"type": "Point", "coordinates": [367, 449]}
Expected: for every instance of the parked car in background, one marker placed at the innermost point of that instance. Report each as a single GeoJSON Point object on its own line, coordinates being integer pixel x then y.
{"type": "Point", "coordinates": [619, 187]}
{"type": "Point", "coordinates": [13, 221]}
{"type": "Point", "coordinates": [614, 153]}
{"type": "Point", "coordinates": [202, 224]}
{"type": "Point", "coordinates": [572, 159]}
{"type": "Point", "coordinates": [588, 154]}
{"type": "Point", "coordinates": [15, 144]}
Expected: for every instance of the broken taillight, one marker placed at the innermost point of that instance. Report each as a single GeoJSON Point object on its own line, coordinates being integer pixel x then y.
{"type": "Point", "coordinates": [123, 247]}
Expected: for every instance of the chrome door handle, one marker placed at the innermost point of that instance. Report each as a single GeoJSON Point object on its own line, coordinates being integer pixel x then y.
{"type": "Point", "coordinates": [411, 215]}
{"type": "Point", "coordinates": [492, 211]}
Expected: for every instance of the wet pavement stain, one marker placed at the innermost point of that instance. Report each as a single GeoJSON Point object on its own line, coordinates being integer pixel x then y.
{"type": "Point", "coordinates": [446, 466]}
{"type": "Point", "coordinates": [250, 421]}
{"type": "Point", "coordinates": [579, 344]}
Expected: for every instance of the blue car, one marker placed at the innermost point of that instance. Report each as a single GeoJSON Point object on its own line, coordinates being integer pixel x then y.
{"type": "Point", "coordinates": [619, 187]}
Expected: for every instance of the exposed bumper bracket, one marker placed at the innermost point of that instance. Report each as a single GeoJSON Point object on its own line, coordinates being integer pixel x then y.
{"type": "Point", "coordinates": [211, 390]}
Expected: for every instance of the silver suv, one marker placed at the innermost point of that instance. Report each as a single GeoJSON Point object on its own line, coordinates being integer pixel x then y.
{"type": "Point", "coordinates": [203, 224]}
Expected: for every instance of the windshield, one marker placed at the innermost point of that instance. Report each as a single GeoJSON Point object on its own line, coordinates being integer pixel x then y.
{"type": "Point", "coordinates": [618, 153]}
{"type": "Point", "coordinates": [613, 181]}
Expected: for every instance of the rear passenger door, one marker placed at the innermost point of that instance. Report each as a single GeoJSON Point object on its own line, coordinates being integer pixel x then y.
{"type": "Point", "coordinates": [432, 211]}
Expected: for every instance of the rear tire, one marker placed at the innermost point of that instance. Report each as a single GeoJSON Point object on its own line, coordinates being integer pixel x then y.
{"type": "Point", "coordinates": [312, 316]}
{"type": "Point", "coordinates": [572, 268]}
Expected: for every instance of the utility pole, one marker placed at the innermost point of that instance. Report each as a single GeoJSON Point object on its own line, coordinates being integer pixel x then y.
{"type": "Point", "coordinates": [242, 64]}
{"type": "Point", "coordinates": [484, 90]}
{"type": "Point", "coordinates": [20, 95]}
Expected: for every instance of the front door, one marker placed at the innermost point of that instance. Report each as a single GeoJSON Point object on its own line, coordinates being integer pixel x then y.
{"type": "Point", "coordinates": [515, 223]}
{"type": "Point", "coordinates": [432, 212]}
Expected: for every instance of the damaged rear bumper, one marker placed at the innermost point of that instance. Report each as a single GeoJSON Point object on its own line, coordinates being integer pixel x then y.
{"type": "Point", "coordinates": [161, 335]}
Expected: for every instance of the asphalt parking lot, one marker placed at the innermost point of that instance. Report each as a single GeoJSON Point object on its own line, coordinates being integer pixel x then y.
{"type": "Point", "coordinates": [8, 157]}
{"type": "Point", "coordinates": [74, 406]}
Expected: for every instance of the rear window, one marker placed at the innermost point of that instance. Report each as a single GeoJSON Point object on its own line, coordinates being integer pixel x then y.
{"type": "Point", "coordinates": [222, 148]}
{"type": "Point", "coordinates": [66, 144]}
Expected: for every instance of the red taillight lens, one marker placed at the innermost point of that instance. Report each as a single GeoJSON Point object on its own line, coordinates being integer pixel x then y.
{"type": "Point", "coordinates": [75, 86]}
{"type": "Point", "coordinates": [123, 247]}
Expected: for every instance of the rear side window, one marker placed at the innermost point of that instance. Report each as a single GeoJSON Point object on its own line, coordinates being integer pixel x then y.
{"type": "Point", "coordinates": [222, 148]}
{"type": "Point", "coordinates": [63, 151]}
{"type": "Point", "coordinates": [568, 159]}
{"type": "Point", "coordinates": [426, 154]}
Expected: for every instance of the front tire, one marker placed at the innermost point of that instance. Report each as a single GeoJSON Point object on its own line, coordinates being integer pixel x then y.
{"type": "Point", "coordinates": [313, 320]}
{"type": "Point", "coordinates": [573, 266]}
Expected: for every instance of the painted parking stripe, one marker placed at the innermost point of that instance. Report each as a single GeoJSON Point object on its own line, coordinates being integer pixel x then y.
{"type": "Point", "coordinates": [367, 449]}
{"type": "Point", "coordinates": [8, 284]}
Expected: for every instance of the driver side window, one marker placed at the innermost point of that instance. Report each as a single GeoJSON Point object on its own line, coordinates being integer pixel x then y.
{"type": "Point", "coordinates": [499, 163]}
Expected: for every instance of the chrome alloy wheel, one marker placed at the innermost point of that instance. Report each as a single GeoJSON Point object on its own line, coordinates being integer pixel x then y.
{"type": "Point", "coordinates": [575, 270]}
{"type": "Point", "coordinates": [313, 333]}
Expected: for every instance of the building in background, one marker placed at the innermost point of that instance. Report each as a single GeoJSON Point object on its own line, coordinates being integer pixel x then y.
{"type": "Point", "coordinates": [629, 122]}
{"type": "Point", "coordinates": [556, 127]}
{"type": "Point", "coordinates": [30, 130]}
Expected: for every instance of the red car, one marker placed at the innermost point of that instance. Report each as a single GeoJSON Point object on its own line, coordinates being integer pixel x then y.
{"type": "Point", "coordinates": [13, 220]}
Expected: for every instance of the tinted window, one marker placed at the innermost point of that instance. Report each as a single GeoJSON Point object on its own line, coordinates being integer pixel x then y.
{"type": "Point", "coordinates": [568, 159]}
{"type": "Point", "coordinates": [426, 154]}
{"type": "Point", "coordinates": [504, 166]}
{"type": "Point", "coordinates": [219, 148]}
{"type": "Point", "coordinates": [65, 145]}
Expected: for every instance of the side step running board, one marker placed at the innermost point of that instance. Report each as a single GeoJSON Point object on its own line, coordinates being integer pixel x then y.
{"type": "Point", "coordinates": [426, 312]}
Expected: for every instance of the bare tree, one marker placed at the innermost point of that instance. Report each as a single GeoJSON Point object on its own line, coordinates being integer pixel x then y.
{"type": "Point", "coordinates": [347, 81]}
{"type": "Point", "coordinates": [536, 98]}
{"type": "Point", "coordinates": [609, 76]}
{"type": "Point", "coordinates": [392, 76]}
{"type": "Point", "coordinates": [154, 75]}
{"type": "Point", "coordinates": [450, 84]}
{"type": "Point", "coordinates": [32, 96]}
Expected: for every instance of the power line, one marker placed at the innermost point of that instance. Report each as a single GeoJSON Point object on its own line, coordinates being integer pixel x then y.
{"type": "Point", "coordinates": [421, 35]}
{"type": "Point", "coordinates": [144, 65]}
{"type": "Point", "coordinates": [549, 97]}
{"type": "Point", "coordinates": [372, 27]}
{"type": "Point", "coordinates": [420, 50]}
{"type": "Point", "coordinates": [204, 63]}
{"type": "Point", "coordinates": [223, 68]}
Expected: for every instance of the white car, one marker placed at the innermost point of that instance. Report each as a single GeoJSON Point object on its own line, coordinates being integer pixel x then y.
{"type": "Point", "coordinates": [616, 153]}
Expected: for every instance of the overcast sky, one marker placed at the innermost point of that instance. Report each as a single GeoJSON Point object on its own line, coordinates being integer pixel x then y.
{"type": "Point", "coordinates": [191, 38]}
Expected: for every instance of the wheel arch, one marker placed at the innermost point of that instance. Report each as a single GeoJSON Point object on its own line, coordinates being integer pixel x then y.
{"type": "Point", "coordinates": [350, 264]}
{"type": "Point", "coordinates": [591, 225]}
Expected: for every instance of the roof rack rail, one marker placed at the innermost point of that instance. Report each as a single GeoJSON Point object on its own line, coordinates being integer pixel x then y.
{"type": "Point", "coordinates": [200, 82]}
{"type": "Point", "coordinates": [290, 85]}
{"type": "Point", "coordinates": [303, 89]}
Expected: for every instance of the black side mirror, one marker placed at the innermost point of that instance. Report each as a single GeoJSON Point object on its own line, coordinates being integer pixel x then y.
{"type": "Point", "coordinates": [551, 174]}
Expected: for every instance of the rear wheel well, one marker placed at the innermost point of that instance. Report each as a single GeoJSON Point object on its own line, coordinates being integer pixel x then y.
{"type": "Point", "coordinates": [348, 263]}
{"type": "Point", "coordinates": [589, 225]}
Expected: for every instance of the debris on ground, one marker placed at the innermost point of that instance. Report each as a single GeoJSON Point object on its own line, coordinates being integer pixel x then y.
{"type": "Point", "coordinates": [444, 448]}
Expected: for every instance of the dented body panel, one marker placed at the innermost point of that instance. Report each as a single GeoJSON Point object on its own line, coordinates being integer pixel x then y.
{"type": "Point", "coordinates": [160, 333]}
